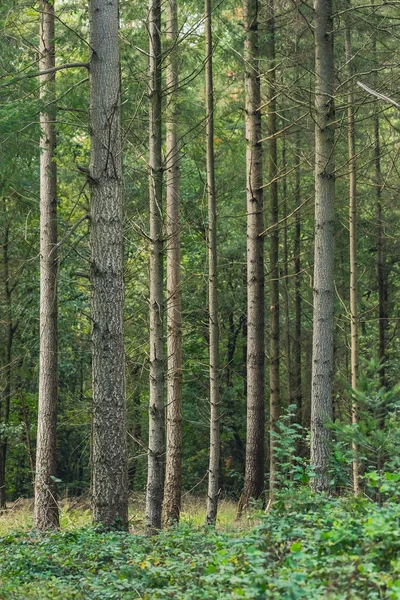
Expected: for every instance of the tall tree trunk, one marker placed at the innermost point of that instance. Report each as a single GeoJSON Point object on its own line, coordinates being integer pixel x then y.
{"type": "Point", "coordinates": [274, 402]}
{"type": "Point", "coordinates": [380, 254]}
{"type": "Point", "coordinates": [289, 367]}
{"type": "Point", "coordinates": [297, 340]}
{"type": "Point", "coordinates": [254, 471]}
{"type": "Point", "coordinates": [213, 468]}
{"type": "Point", "coordinates": [297, 337]}
{"type": "Point", "coordinates": [5, 401]}
{"type": "Point", "coordinates": [322, 354]}
{"type": "Point", "coordinates": [46, 508]}
{"type": "Point", "coordinates": [109, 474]}
{"type": "Point", "coordinates": [173, 467]}
{"type": "Point", "coordinates": [353, 243]}
{"type": "Point", "coordinates": [155, 474]}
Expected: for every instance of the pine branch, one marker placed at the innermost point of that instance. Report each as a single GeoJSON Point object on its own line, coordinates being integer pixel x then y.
{"type": "Point", "coordinates": [45, 72]}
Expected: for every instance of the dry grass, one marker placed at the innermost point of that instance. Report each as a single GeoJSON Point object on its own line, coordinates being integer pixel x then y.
{"type": "Point", "coordinates": [76, 513]}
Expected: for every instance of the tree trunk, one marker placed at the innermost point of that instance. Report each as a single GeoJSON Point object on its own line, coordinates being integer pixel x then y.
{"type": "Point", "coordinates": [289, 367]}
{"type": "Point", "coordinates": [213, 469]}
{"type": "Point", "coordinates": [352, 244]}
{"type": "Point", "coordinates": [254, 471]}
{"type": "Point", "coordinates": [5, 401]}
{"type": "Point", "coordinates": [297, 341]}
{"type": "Point", "coordinates": [155, 474]}
{"type": "Point", "coordinates": [109, 474]}
{"type": "Point", "coordinates": [380, 254]}
{"type": "Point", "coordinates": [322, 353]}
{"type": "Point", "coordinates": [173, 467]}
{"type": "Point", "coordinates": [274, 383]}
{"type": "Point", "coordinates": [46, 508]}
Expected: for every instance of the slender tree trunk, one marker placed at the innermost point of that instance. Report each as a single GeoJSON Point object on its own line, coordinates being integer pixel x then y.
{"type": "Point", "coordinates": [380, 254]}
{"type": "Point", "coordinates": [254, 471]}
{"type": "Point", "coordinates": [297, 341]}
{"type": "Point", "coordinates": [173, 467]}
{"type": "Point", "coordinates": [213, 468]}
{"type": "Point", "coordinates": [322, 355]}
{"type": "Point", "coordinates": [289, 367]}
{"type": "Point", "coordinates": [46, 508]}
{"type": "Point", "coordinates": [274, 402]}
{"type": "Point", "coordinates": [109, 473]}
{"type": "Point", "coordinates": [5, 403]}
{"type": "Point", "coordinates": [155, 474]}
{"type": "Point", "coordinates": [353, 243]}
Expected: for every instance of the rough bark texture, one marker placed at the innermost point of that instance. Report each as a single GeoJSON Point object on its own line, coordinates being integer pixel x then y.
{"type": "Point", "coordinates": [46, 508]}
{"type": "Point", "coordinates": [274, 398]}
{"type": "Point", "coordinates": [352, 243]}
{"type": "Point", "coordinates": [323, 293]}
{"type": "Point", "coordinates": [213, 468]}
{"type": "Point", "coordinates": [155, 474]}
{"type": "Point", "coordinates": [109, 474]}
{"type": "Point", "coordinates": [254, 470]}
{"type": "Point", "coordinates": [173, 467]}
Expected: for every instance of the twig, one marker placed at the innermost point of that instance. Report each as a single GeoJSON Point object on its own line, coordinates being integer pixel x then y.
{"type": "Point", "coordinates": [284, 219]}
{"type": "Point", "coordinates": [70, 232]}
{"type": "Point", "coordinates": [378, 94]}
{"type": "Point", "coordinates": [45, 72]}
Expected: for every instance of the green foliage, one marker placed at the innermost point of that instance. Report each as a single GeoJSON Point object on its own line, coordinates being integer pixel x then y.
{"type": "Point", "coordinates": [308, 547]}
{"type": "Point", "coordinates": [376, 435]}
{"type": "Point", "coordinates": [293, 469]}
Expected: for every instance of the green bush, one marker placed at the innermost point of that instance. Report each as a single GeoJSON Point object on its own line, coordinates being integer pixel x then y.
{"type": "Point", "coordinates": [309, 547]}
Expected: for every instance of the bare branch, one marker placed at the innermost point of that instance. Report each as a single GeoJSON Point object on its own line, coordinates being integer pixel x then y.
{"type": "Point", "coordinates": [45, 72]}
{"type": "Point", "coordinates": [378, 94]}
{"type": "Point", "coordinates": [70, 232]}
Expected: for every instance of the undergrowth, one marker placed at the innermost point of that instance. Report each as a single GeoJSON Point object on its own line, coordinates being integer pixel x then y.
{"type": "Point", "coordinates": [306, 547]}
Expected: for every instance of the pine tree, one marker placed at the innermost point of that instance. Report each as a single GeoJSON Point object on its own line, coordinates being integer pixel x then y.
{"type": "Point", "coordinates": [323, 286]}
{"type": "Point", "coordinates": [109, 462]}
{"type": "Point", "coordinates": [46, 507]}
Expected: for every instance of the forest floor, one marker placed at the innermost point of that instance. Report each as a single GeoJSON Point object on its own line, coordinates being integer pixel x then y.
{"type": "Point", "coordinates": [307, 547]}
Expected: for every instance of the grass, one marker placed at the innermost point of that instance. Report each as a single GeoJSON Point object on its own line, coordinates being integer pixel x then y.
{"type": "Point", "coordinates": [76, 513]}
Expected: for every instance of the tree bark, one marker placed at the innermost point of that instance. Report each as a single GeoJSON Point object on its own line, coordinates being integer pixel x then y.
{"type": "Point", "coordinates": [46, 507]}
{"type": "Point", "coordinates": [254, 470]}
{"type": "Point", "coordinates": [380, 253]}
{"type": "Point", "coordinates": [155, 474]}
{"type": "Point", "coordinates": [323, 292]}
{"type": "Point", "coordinates": [214, 459]}
{"type": "Point", "coordinates": [274, 383]}
{"type": "Point", "coordinates": [289, 366]}
{"type": "Point", "coordinates": [109, 462]}
{"type": "Point", "coordinates": [352, 244]}
{"type": "Point", "coordinates": [297, 340]}
{"type": "Point", "coordinates": [173, 467]}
